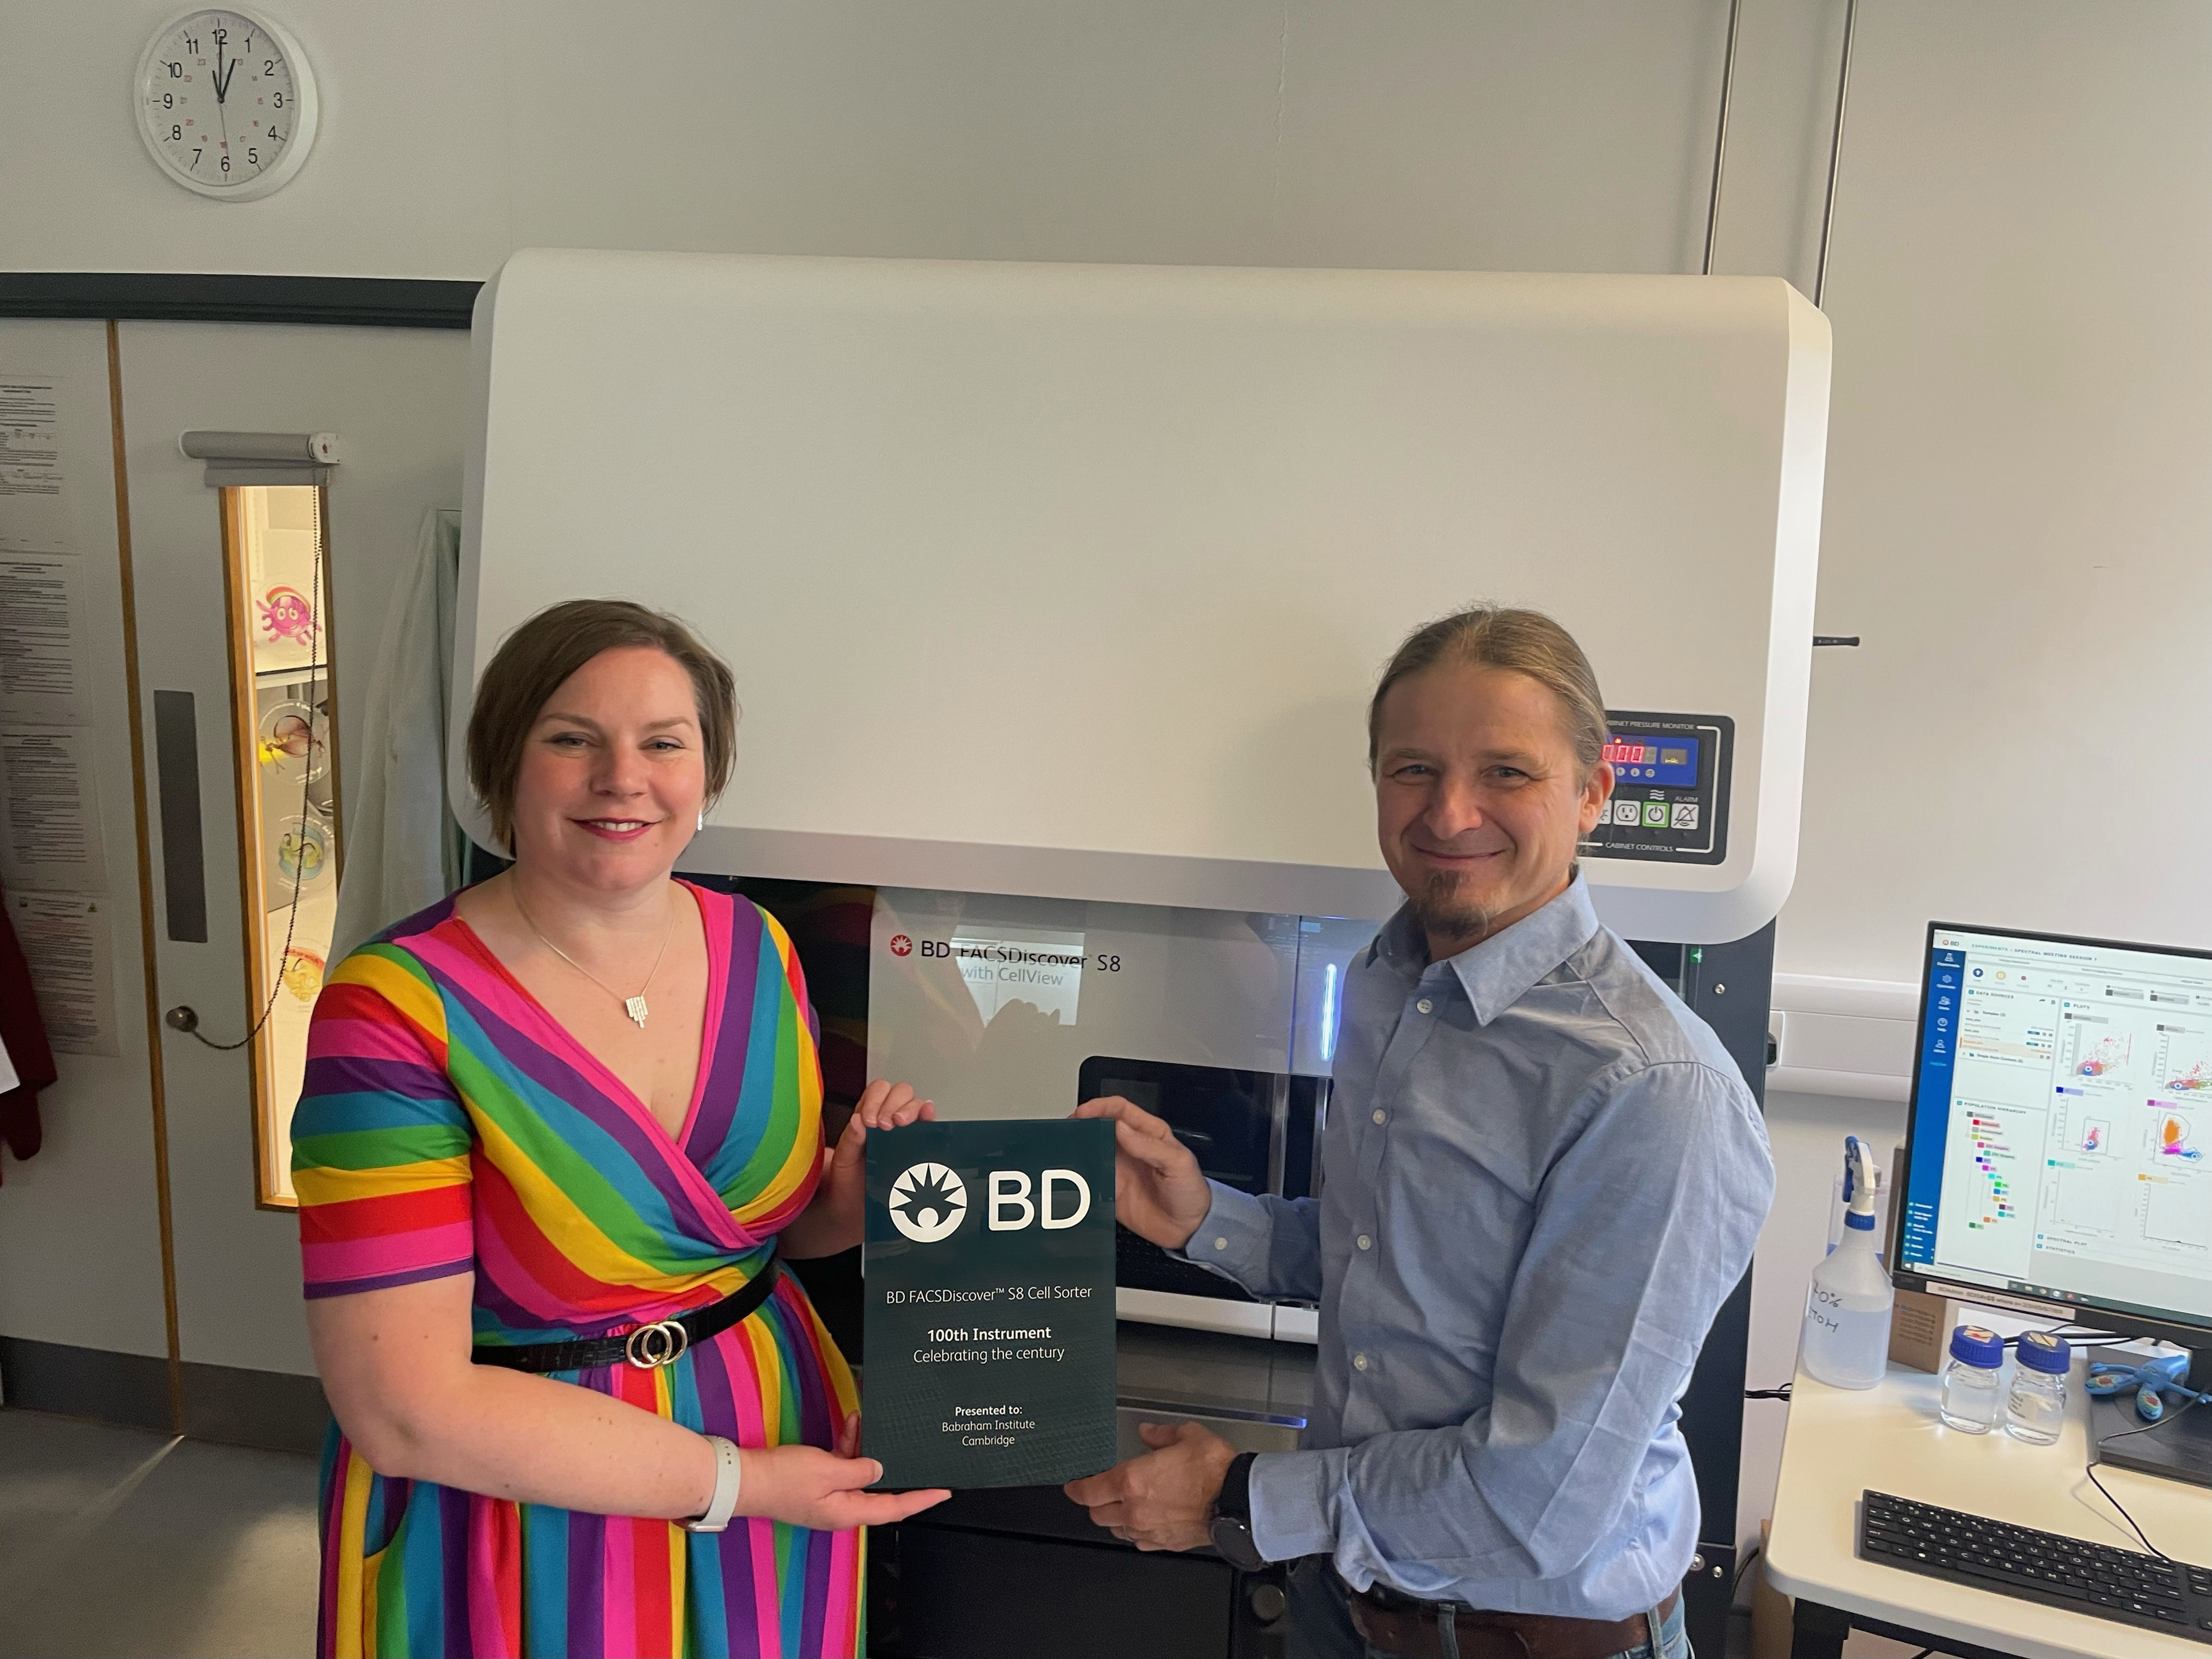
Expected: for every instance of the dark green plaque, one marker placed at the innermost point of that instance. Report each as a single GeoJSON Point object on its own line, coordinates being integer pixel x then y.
{"type": "Point", "coordinates": [990, 1303]}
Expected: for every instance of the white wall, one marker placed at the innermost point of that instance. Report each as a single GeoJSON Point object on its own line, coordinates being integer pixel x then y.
{"type": "Point", "coordinates": [2017, 507]}
{"type": "Point", "coordinates": [1568, 137]}
{"type": "Point", "coordinates": [2019, 515]}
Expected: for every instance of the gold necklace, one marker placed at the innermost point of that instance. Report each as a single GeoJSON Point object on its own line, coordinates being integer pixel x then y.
{"type": "Point", "coordinates": [633, 1006]}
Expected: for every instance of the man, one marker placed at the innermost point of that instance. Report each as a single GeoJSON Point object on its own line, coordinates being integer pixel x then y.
{"type": "Point", "coordinates": [1543, 1175]}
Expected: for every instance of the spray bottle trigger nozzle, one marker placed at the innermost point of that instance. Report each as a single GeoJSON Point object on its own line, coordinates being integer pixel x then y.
{"type": "Point", "coordinates": [1861, 1177]}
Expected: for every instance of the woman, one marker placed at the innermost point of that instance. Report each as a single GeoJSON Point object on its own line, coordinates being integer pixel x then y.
{"type": "Point", "coordinates": [580, 1104]}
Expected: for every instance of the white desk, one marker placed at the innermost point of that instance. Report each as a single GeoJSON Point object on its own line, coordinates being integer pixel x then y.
{"type": "Point", "coordinates": [1841, 1442]}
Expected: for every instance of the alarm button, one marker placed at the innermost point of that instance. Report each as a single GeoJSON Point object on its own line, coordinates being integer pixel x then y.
{"type": "Point", "coordinates": [1686, 815]}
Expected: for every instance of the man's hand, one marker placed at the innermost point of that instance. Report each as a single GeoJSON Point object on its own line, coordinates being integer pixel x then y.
{"type": "Point", "coordinates": [1158, 1193]}
{"type": "Point", "coordinates": [1163, 1500]}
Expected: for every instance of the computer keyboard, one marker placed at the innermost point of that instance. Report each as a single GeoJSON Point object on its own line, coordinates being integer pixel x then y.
{"type": "Point", "coordinates": [2127, 1585]}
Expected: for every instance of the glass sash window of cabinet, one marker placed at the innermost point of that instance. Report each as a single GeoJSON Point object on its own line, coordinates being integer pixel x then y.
{"type": "Point", "coordinates": [284, 729]}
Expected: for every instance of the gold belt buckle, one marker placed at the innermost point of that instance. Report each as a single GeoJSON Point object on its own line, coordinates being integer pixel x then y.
{"type": "Point", "coordinates": [651, 1346]}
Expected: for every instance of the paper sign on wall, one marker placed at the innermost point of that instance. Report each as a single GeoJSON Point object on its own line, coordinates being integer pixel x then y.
{"type": "Point", "coordinates": [43, 673]}
{"type": "Point", "coordinates": [33, 494]}
{"type": "Point", "coordinates": [71, 952]}
{"type": "Point", "coordinates": [49, 809]}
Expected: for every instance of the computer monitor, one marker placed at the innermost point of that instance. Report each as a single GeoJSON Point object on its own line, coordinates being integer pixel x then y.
{"type": "Point", "coordinates": [2058, 1153]}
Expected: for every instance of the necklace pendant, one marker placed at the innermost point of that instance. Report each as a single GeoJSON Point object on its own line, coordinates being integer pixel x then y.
{"type": "Point", "coordinates": [635, 1007]}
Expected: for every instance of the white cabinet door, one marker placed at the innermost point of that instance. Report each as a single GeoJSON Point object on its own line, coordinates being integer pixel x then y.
{"type": "Point", "coordinates": [396, 398]}
{"type": "Point", "coordinates": [80, 1241]}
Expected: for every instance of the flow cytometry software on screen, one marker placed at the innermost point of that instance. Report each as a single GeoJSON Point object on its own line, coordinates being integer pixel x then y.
{"type": "Point", "coordinates": [2062, 1120]}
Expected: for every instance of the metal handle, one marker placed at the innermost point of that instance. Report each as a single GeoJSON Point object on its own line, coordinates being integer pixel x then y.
{"type": "Point", "coordinates": [184, 861]}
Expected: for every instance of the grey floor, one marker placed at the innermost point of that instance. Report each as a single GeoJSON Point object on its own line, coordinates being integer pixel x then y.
{"type": "Point", "coordinates": [116, 1543]}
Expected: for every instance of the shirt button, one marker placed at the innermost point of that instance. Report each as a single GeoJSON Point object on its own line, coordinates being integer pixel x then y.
{"type": "Point", "coordinates": [1359, 1361]}
{"type": "Point", "coordinates": [1379, 1115]}
{"type": "Point", "coordinates": [1220, 1243]}
{"type": "Point", "coordinates": [1425, 1006]}
{"type": "Point", "coordinates": [1366, 1243]}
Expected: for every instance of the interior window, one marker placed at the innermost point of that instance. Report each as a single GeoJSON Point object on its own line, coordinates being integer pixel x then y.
{"type": "Point", "coordinates": [276, 580]}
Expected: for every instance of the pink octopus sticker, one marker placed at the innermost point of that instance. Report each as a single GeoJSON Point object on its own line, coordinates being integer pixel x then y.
{"type": "Point", "coordinates": [286, 617]}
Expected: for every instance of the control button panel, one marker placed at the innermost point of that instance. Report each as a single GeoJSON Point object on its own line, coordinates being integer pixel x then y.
{"type": "Point", "coordinates": [1670, 790]}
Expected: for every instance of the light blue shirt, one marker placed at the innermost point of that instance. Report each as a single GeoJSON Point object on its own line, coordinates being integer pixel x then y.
{"type": "Point", "coordinates": [1542, 1176]}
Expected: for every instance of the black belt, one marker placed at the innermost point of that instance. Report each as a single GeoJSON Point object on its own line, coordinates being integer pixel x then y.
{"type": "Point", "coordinates": [1403, 1624]}
{"type": "Point", "coordinates": [648, 1347]}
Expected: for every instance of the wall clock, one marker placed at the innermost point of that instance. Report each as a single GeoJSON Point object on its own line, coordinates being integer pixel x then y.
{"type": "Point", "coordinates": [226, 103]}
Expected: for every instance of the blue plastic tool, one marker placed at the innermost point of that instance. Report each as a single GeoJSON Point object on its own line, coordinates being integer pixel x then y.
{"type": "Point", "coordinates": [2151, 1381]}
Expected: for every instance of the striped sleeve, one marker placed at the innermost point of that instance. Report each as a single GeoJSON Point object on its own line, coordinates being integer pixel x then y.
{"type": "Point", "coordinates": [381, 1141]}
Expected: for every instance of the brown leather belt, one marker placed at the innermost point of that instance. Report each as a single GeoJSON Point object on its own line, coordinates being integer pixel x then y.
{"type": "Point", "coordinates": [1400, 1625]}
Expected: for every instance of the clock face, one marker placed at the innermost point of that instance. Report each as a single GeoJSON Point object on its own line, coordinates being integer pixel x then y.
{"type": "Point", "coordinates": [226, 103]}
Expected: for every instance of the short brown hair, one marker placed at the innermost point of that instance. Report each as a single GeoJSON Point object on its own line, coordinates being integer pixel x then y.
{"type": "Point", "coordinates": [536, 660]}
{"type": "Point", "coordinates": [1495, 636]}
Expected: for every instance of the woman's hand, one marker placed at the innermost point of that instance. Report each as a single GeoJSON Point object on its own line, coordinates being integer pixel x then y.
{"type": "Point", "coordinates": [888, 1106]}
{"type": "Point", "coordinates": [834, 1219]}
{"type": "Point", "coordinates": [1158, 1193]}
{"type": "Point", "coordinates": [810, 1487]}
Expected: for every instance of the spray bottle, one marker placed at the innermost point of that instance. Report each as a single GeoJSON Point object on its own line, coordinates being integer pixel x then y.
{"type": "Point", "coordinates": [1847, 1337]}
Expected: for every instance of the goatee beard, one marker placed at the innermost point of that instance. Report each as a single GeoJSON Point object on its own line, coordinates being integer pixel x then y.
{"type": "Point", "coordinates": [1444, 913]}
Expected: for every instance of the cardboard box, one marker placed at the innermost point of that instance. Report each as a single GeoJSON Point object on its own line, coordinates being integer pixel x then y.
{"type": "Point", "coordinates": [1920, 1330]}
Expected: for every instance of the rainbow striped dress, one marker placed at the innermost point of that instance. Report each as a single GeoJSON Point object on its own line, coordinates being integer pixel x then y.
{"type": "Point", "coordinates": [448, 1125]}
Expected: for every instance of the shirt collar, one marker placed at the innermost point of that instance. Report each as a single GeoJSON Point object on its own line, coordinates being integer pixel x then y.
{"type": "Point", "coordinates": [1500, 970]}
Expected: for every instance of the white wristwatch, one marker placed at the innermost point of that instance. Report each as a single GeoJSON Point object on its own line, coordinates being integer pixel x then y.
{"type": "Point", "coordinates": [729, 1475]}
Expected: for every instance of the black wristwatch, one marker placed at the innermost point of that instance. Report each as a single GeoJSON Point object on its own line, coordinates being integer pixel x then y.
{"type": "Point", "coordinates": [1229, 1524]}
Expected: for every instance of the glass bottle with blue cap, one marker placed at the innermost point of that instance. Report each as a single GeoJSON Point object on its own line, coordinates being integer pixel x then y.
{"type": "Point", "coordinates": [2035, 1408]}
{"type": "Point", "coordinates": [1971, 1400]}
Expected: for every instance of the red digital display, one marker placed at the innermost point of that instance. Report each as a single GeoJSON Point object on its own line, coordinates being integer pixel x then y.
{"type": "Point", "coordinates": [1670, 761]}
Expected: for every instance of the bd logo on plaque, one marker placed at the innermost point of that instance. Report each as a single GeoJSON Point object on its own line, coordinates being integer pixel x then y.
{"type": "Point", "coordinates": [928, 1202]}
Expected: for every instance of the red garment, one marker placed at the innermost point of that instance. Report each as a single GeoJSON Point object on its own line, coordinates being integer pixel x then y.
{"type": "Point", "coordinates": [25, 1035]}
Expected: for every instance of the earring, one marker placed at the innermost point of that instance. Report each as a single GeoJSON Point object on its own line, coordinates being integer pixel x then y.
{"type": "Point", "coordinates": [702, 818]}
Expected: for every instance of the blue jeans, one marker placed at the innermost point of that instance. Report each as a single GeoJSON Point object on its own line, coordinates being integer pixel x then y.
{"type": "Point", "coordinates": [1321, 1627]}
